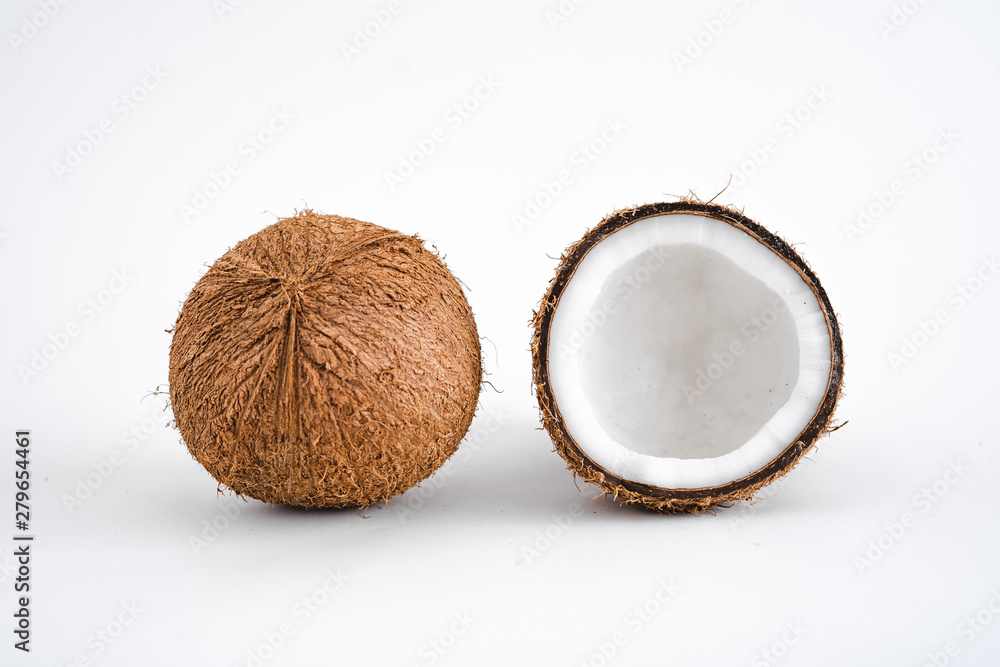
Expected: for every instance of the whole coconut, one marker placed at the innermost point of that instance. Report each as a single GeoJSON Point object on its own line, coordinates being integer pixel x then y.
{"type": "Point", "coordinates": [324, 362]}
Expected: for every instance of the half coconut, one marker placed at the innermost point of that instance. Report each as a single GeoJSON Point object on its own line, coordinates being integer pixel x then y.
{"type": "Point", "coordinates": [685, 357]}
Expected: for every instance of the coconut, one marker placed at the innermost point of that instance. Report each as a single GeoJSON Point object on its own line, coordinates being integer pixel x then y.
{"type": "Point", "coordinates": [324, 362]}
{"type": "Point", "coordinates": [684, 357]}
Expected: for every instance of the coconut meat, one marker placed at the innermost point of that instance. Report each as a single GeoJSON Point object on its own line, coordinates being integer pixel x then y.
{"type": "Point", "coordinates": [684, 353]}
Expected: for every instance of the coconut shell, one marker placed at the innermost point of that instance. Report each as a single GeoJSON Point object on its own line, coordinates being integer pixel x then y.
{"type": "Point", "coordinates": [654, 497]}
{"type": "Point", "coordinates": [324, 362]}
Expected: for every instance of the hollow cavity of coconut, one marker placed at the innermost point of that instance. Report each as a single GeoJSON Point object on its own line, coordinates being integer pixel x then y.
{"type": "Point", "coordinates": [324, 362]}
{"type": "Point", "coordinates": [684, 357]}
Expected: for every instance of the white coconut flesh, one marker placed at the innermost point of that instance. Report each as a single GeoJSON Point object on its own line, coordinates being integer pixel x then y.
{"type": "Point", "coordinates": [684, 353]}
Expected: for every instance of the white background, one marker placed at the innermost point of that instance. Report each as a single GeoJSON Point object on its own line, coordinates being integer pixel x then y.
{"type": "Point", "coordinates": [472, 541]}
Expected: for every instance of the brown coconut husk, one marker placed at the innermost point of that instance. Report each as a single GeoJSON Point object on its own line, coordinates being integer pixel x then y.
{"type": "Point", "coordinates": [653, 497]}
{"type": "Point", "coordinates": [324, 362]}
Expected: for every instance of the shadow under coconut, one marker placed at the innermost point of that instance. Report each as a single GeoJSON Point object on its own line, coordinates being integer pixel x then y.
{"type": "Point", "coordinates": [526, 483]}
{"type": "Point", "coordinates": [514, 477]}
{"type": "Point", "coordinates": [524, 488]}
{"type": "Point", "coordinates": [326, 513]}
{"type": "Point", "coordinates": [304, 525]}
{"type": "Point", "coordinates": [510, 475]}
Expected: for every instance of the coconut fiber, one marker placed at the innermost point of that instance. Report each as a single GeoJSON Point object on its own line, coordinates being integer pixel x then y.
{"type": "Point", "coordinates": [324, 362]}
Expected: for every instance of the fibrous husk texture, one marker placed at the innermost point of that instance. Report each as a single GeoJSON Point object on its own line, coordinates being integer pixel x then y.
{"type": "Point", "coordinates": [324, 362]}
{"type": "Point", "coordinates": [658, 498]}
